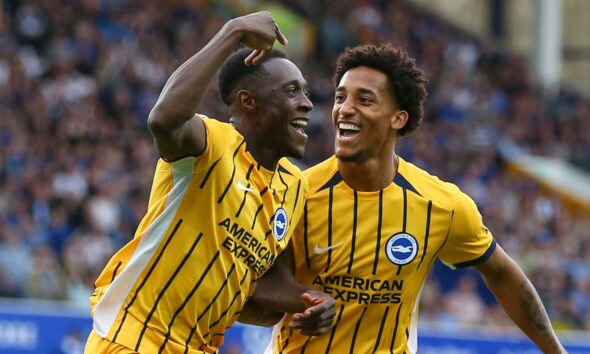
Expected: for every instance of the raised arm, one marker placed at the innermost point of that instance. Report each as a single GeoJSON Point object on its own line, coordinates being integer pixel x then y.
{"type": "Point", "coordinates": [176, 130]}
{"type": "Point", "coordinates": [520, 300]}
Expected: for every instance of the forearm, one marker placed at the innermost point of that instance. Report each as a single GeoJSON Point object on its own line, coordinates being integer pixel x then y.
{"type": "Point", "coordinates": [313, 311]}
{"type": "Point", "coordinates": [254, 314]}
{"type": "Point", "coordinates": [521, 302]}
{"type": "Point", "coordinates": [187, 86]}
{"type": "Point", "coordinates": [278, 291]}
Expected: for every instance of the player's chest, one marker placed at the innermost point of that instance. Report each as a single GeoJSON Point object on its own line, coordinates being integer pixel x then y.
{"type": "Point", "coordinates": [252, 209]}
{"type": "Point", "coordinates": [391, 236]}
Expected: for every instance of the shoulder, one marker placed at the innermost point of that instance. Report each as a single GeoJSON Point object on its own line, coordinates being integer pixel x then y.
{"type": "Point", "coordinates": [429, 186]}
{"type": "Point", "coordinates": [288, 167]}
{"type": "Point", "coordinates": [216, 127]}
{"type": "Point", "coordinates": [221, 137]}
{"type": "Point", "coordinates": [321, 174]}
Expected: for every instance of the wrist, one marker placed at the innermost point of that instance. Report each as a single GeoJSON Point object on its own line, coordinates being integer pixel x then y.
{"type": "Point", "coordinates": [312, 292]}
{"type": "Point", "coordinates": [233, 30]}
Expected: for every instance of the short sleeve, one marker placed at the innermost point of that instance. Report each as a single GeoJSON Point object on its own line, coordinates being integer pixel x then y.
{"type": "Point", "coordinates": [469, 242]}
{"type": "Point", "coordinates": [219, 137]}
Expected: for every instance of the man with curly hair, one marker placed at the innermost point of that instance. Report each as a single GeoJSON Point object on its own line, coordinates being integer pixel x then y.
{"type": "Point", "coordinates": [374, 223]}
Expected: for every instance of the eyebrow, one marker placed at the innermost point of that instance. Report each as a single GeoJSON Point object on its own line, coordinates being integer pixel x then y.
{"type": "Point", "coordinates": [296, 83]}
{"type": "Point", "coordinates": [361, 90]}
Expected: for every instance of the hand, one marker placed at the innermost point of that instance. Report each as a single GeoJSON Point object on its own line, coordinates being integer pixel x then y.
{"type": "Point", "coordinates": [318, 316]}
{"type": "Point", "coordinates": [259, 32]}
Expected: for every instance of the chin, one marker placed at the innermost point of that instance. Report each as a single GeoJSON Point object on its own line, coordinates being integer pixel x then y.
{"type": "Point", "coordinates": [297, 153]}
{"type": "Point", "coordinates": [348, 156]}
{"type": "Point", "coordinates": [341, 153]}
{"type": "Point", "coordinates": [297, 150]}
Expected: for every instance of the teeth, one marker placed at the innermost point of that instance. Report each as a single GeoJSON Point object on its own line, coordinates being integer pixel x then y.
{"type": "Point", "coordinates": [348, 126]}
{"type": "Point", "coordinates": [301, 123]}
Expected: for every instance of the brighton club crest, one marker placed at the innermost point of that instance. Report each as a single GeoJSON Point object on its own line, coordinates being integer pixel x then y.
{"type": "Point", "coordinates": [279, 228]}
{"type": "Point", "coordinates": [401, 248]}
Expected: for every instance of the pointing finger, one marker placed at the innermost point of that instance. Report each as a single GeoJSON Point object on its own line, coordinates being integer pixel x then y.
{"type": "Point", "coordinates": [280, 36]}
{"type": "Point", "coordinates": [258, 57]}
{"type": "Point", "coordinates": [250, 58]}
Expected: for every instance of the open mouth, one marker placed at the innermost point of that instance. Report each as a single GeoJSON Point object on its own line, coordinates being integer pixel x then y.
{"type": "Point", "coordinates": [299, 124]}
{"type": "Point", "coordinates": [348, 129]}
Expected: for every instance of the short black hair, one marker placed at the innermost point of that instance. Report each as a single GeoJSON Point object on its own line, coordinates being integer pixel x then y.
{"type": "Point", "coordinates": [408, 83]}
{"type": "Point", "coordinates": [234, 70]}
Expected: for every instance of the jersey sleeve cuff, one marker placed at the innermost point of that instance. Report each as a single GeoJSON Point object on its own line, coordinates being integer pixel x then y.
{"type": "Point", "coordinates": [479, 259]}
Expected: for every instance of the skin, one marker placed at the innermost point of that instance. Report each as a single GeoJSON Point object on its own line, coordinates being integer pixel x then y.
{"type": "Point", "coordinates": [314, 311]}
{"type": "Point", "coordinates": [520, 300]}
{"type": "Point", "coordinates": [176, 131]}
{"type": "Point", "coordinates": [363, 98]}
{"type": "Point", "coordinates": [262, 113]}
{"type": "Point", "coordinates": [271, 105]}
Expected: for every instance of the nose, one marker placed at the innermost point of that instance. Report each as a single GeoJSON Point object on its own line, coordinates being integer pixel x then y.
{"type": "Point", "coordinates": [346, 107]}
{"type": "Point", "coordinates": [306, 104]}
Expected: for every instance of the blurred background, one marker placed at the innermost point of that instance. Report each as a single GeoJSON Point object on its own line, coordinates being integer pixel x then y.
{"type": "Point", "coordinates": [507, 119]}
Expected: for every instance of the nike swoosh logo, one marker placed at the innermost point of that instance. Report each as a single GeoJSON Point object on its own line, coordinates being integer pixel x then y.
{"type": "Point", "coordinates": [244, 188]}
{"type": "Point", "coordinates": [320, 250]}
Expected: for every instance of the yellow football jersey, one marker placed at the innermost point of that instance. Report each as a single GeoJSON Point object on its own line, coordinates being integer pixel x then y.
{"type": "Point", "coordinates": [214, 224]}
{"type": "Point", "coordinates": [372, 252]}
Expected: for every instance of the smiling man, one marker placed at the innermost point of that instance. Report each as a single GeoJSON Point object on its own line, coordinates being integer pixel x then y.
{"type": "Point", "coordinates": [223, 204]}
{"type": "Point", "coordinates": [374, 223]}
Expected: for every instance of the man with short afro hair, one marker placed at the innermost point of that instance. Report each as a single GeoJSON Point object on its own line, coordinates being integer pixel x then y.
{"type": "Point", "coordinates": [221, 205]}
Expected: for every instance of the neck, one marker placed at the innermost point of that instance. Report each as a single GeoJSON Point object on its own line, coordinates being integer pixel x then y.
{"type": "Point", "coordinates": [370, 175]}
{"type": "Point", "coordinates": [265, 156]}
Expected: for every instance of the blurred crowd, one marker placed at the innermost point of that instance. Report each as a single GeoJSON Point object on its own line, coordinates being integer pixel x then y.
{"type": "Point", "coordinates": [78, 78]}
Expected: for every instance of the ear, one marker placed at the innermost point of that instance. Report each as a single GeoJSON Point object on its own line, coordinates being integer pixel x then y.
{"type": "Point", "coordinates": [245, 100]}
{"type": "Point", "coordinates": [399, 120]}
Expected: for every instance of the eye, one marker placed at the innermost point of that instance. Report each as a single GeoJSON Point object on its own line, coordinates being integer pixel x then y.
{"type": "Point", "coordinates": [365, 100]}
{"type": "Point", "coordinates": [306, 93]}
{"type": "Point", "coordinates": [339, 98]}
{"type": "Point", "coordinates": [291, 92]}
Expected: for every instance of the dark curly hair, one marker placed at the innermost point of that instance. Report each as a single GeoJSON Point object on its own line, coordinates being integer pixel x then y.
{"type": "Point", "coordinates": [234, 70]}
{"type": "Point", "coordinates": [407, 83]}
